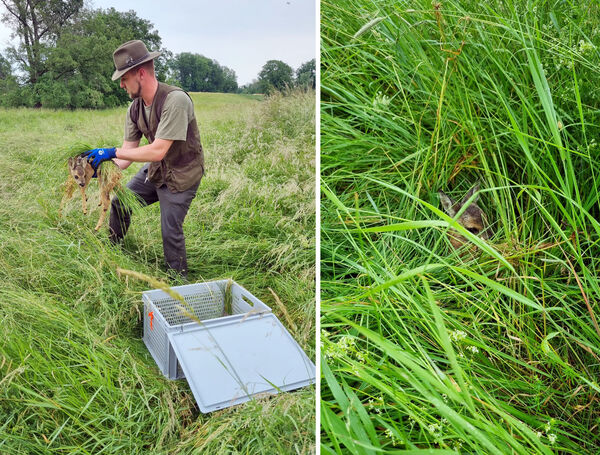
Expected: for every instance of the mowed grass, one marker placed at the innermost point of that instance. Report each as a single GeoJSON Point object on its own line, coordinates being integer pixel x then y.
{"type": "Point", "coordinates": [426, 350]}
{"type": "Point", "coordinates": [75, 376]}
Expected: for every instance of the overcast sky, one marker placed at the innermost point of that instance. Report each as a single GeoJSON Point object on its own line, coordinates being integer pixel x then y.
{"type": "Point", "coordinates": [240, 34]}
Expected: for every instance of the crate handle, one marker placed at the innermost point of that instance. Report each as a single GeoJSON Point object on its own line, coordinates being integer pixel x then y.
{"type": "Point", "coordinates": [248, 300]}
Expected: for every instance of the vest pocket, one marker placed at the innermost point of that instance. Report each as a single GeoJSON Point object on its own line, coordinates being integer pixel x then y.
{"type": "Point", "coordinates": [155, 173]}
{"type": "Point", "coordinates": [182, 178]}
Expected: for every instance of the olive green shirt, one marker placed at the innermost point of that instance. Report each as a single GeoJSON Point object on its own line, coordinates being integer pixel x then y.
{"type": "Point", "coordinates": [176, 114]}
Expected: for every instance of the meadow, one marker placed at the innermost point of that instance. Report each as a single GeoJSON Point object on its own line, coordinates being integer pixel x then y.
{"type": "Point", "coordinates": [429, 350]}
{"type": "Point", "coordinates": [75, 376]}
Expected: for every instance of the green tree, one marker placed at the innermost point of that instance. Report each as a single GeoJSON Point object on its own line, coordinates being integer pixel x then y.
{"type": "Point", "coordinates": [81, 62]}
{"type": "Point", "coordinates": [230, 84]}
{"type": "Point", "coordinates": [275, 75]}
{"type": "Point", "coordinates": [8, 84]}
{"type": "Point", "coordinates": [191, 71]}
{"type": "Point", "coordinates": [37, 24]}
{"type": "Point", "coordinates": [252, 87]}
{"type": "Point", "coordinates": [5, 68]}
{"type": "Point", "coordinates": [197, 73]}
{"type": "Point", "coordinates": [306, 75]}
{"type": "Point", "coordinates": [76, 61]}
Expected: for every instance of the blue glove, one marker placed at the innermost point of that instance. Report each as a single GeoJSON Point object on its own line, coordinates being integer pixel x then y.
{"type": "Point", "coordinates": [97, 156]}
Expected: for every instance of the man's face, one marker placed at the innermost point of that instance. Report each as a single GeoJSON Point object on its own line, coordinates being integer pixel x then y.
{"type": "Point", "coordinates": [130, 81]}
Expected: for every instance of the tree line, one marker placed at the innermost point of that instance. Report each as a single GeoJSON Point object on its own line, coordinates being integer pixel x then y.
{"type": "Point", "coordinates": [64, 58]}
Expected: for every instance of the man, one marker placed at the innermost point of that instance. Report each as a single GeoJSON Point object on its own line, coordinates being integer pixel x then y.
{"type": "Point", "coordinates": [165, 116]}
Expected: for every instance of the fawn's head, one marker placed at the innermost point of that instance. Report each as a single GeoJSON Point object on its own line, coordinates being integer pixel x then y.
{"type": "Point", "coordinates": [80, 169]}
{"type": "Point", "coordinates": [473, 219]}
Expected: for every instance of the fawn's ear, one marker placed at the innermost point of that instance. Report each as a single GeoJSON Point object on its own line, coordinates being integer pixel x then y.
{"type": "Point", "coordinates": [447, 203]}
{"type": "Point", "coordinates": [470, 193]}
{"type": "Point", "coordinates": [71, 162]}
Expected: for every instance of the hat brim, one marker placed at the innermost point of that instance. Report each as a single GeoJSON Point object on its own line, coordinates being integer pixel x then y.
{"type": "Point", "coordinates": [118, 73]}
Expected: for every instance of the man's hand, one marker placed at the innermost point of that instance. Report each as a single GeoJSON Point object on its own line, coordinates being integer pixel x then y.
{"type": "Point", "coordinates": [97, 156]}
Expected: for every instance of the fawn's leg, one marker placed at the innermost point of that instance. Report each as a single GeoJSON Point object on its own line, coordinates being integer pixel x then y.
{"type": "Point", "coordinates": [104, 201]}
{"type": "Point", "coordinates": [106, 187]}
{"type": "Point", "coordinates": [83, 199]}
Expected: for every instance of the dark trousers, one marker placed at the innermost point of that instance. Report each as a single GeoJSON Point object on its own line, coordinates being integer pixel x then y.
{"type": "Point", "coordinates": [173, 209]}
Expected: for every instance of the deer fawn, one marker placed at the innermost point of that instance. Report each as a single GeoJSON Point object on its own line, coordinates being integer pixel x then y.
{"type": "Point", "coordinates": [472, 219]}
{"type": "Point", "coordinates": [80, 174]}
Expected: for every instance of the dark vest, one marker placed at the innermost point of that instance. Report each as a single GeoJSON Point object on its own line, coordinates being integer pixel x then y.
{"type": "Point", "coordinates": [183, 165]}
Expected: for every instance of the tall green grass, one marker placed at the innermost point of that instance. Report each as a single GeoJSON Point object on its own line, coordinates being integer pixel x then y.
{"type": "Point", "coordinates": [425, 349]}
{"type": "Point", "coordinates": [75, 376]}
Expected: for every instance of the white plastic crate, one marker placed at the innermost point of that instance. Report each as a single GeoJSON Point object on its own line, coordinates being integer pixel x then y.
{"type": "Point", "coordinates": [164, 315]}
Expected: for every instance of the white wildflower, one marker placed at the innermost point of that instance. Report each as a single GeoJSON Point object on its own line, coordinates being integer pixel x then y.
{"type": "Point", "coordinates": [390, 434]}
{"type": "Point", "coordinates": [361, 357]}
{"type": "Point", "coordinates": [435, 430]}
{"type": "Point", "coordinates": [457, 445]}
{"type": "Point", "coordinates": [457, 335]}
{"type": "Point", "coordinates": [381, 100]}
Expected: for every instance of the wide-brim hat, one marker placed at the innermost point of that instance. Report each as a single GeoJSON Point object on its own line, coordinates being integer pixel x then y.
{"type": "Point", "coordinates": [129, 55]}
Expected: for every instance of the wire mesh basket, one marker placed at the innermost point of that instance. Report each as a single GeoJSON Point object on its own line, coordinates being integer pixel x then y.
{"type": "Point", "coordinates": [205, 303]}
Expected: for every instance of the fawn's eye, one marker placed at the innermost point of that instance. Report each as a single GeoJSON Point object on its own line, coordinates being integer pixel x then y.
{"type": "Point", "coordinates": [473, 230]}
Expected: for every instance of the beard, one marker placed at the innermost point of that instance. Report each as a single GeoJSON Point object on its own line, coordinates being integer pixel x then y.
{"type": "Point", "coordinates": [136, 93]}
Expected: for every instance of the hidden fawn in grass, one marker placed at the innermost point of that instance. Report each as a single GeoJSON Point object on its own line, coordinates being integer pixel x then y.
{"type": "Point", "coordinates": [473, 219]}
